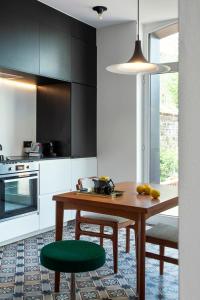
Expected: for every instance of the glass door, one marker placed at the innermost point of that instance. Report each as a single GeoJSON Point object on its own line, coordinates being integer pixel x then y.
{"type": "Point", "coordinates": [164, 129]}
{"type": "Point", "coordinates": [163, 122]}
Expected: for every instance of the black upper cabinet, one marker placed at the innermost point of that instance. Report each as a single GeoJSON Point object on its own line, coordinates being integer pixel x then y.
{"type": "Point", "coordinates": [19, 36]}
{"type": "Point", "coordinates": [83, 121]}
{"type": "Point", "coordinates": [84, 62]}
{"type": "Point", "coordinates": [37, 39]}
{"type": "Point", "coordinates": [66, 114]}
{"type": "Point", "coordinates": [84, 53]}
{"type": "Point", "coordinates": [53, 116]}
{"type": "Point", "coordinates": [55, 44]}
{"type": "Point", "coordinates": [83, 32]}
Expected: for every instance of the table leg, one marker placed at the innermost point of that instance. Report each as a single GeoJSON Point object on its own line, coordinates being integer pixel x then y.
{"type": "Point", "coordinates": [141, 257]}
{"type": "Point", "coordinates": [59, 233]}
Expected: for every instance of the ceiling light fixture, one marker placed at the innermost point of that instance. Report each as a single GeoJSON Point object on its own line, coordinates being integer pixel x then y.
{"type": "Point", "coordinates": [100, 10]}
{"type": "Point", "coordinates": [138, 64]}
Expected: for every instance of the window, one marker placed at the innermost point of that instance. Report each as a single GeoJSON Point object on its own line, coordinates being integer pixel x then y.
{"type": "Point", "coordinates": [163, 47]}
{"type": "Point", "coordinates": [161, 146]}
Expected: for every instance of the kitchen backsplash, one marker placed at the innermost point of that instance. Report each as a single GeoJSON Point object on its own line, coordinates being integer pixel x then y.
{"type": "Point", "coordinates": [17, 116]}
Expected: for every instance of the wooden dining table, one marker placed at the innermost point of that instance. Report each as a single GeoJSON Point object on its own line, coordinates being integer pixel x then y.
{"type": "Point", "coordinates": [130, 205]}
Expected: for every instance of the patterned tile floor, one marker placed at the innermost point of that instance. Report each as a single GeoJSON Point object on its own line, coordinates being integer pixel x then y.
{"type": "Point", "coordinates": [22, 277]}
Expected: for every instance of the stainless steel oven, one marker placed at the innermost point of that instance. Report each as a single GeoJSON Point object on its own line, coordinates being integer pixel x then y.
{"type": "Point", "coordinates": [18, 188]}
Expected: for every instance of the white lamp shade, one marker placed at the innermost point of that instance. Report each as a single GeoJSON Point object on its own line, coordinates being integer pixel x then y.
{"type": "Point", "coordinates": [137, 68]}
{"type": "Point", "coordinates": [138, 64]}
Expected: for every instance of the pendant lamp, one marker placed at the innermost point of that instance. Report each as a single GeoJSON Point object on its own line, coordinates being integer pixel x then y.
{"type": "Point", "coordinates": [138, 64]}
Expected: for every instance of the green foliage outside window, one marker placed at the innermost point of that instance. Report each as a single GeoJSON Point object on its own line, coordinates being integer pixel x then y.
{"type": "Point", "coordinates": [168, 164]}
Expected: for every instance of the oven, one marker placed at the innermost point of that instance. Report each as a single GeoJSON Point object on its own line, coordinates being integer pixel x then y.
{"type": "Point", "coordinates": [18, 190]}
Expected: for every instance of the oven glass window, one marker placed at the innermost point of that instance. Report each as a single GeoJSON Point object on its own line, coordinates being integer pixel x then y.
{"type": "Point", "coordinates": [20, 195]}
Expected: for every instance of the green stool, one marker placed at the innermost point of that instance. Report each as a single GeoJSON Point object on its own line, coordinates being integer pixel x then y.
{"type": "Point", "coordinates": [72, 257]}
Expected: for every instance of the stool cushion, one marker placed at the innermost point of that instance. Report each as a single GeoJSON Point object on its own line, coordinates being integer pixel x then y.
{"type": "Point", "coordinates": [163, 232]}
{"type": "Point", "coordinates": [72, 256]}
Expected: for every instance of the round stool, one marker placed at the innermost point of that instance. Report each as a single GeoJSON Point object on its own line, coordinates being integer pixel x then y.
{"type": "Point", "coordinates": [72, 257]}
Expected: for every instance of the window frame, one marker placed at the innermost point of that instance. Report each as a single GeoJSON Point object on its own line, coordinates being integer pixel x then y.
{"type": "Point", "coordinates": [145, 98]}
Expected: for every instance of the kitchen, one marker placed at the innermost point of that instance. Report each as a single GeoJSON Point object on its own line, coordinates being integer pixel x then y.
{"type": "Point", "coordinates": [48, 118]}
{"type": "Point", "coordinates": [65, 115]}
{"type": "Point", "coordinates": [51, 104]}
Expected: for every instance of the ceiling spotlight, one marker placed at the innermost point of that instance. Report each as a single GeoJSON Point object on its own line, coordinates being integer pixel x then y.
{"type": "Point", "coordinates": [100, 10]}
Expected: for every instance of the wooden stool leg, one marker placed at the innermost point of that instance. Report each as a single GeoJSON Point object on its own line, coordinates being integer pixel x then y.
{"type": "Point", "coordinates": [73, 287]}
{"type": "Point", "coordinates": [57, 282]}
{"type": "Point", "coordinates": [115, 248]}
{"type": "Point", "coordinates": [77, 225]}
{"type": "Point", "coordinates": [127, 239]}
{"type": "Point", "coordinates": [162, 253]}
{"type": "Point", "coordinates": [77, 230]}
{"type": "Point", "coordinates": [101, 232]}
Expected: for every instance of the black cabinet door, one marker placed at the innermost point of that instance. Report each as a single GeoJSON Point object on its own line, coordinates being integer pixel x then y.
{"type": "Point", "coordinates": [83, 32]}
{"type": "Point", "coordinates": [84, 62]}
{"type": "Point", "coordinates": [55, 44]}
{"type": "Point", "coordinates": [53, 116]}
{"type": "Point", "coordinates": [19, 36]}
{"type": "Point", "coordinates": [83, 121]}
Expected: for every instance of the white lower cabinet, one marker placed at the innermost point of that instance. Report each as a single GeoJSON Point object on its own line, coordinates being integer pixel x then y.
{"type": "Point", "coordinates": [57, 176]}
{"type": "Point", "coordinates": [47, 211]}
{"type": "Point", "coordinates": [21, 225]}
{"type": "Point", "coordinates": [80, 168]}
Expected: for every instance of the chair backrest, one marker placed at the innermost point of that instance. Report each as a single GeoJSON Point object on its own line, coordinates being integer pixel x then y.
{"type": "Point", "coordinates": [85, 182]}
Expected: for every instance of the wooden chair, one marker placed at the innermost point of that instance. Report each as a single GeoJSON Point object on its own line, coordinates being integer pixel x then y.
{"type": "Point", "coordinates": [102, 220]}
{"type": "Point", "coordinates": [163, 235]}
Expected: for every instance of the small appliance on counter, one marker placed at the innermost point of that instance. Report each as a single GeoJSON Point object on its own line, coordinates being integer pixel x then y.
{"type": "Point", "coordinates": [36, 150]}
{"type": "Point", "coordinates": [1, 156]}
{"type": "Point", "coordinates": [27, 147]}
{"type": "Point", "coordinates": [48, 149]}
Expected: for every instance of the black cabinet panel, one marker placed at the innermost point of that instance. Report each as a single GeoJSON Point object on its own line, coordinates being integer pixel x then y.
{"type": "Point", "coordinates": [83, 121]}
{"type": "Point", "coordinates": [53, 116]}
{"type": "Point", "coordinates": [19, 36]}
{"type": "Point", "coordinates": [84, 62]}
{"type": "Point", "coordinates": [83, 32]}
{"type": "Point", "coordinates": [55, 44]}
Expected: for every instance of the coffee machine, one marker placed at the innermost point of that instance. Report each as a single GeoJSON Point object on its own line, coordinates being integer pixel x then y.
{"type": "Point", "coordinates": [1, 156]}
{"type": "Point", "coordinates": [48, 149]}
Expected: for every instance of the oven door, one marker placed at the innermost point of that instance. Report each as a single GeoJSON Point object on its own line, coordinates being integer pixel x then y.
{"type": "Point", "coordinates": [18, 194]}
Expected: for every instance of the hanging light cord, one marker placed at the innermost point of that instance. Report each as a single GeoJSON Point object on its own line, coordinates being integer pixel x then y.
{"type": "Point", "coordinates": [138, 20]}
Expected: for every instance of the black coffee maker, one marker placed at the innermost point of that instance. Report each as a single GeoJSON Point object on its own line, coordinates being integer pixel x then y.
{"type": "Point", "coordinates": [48, 149]}
{"type": "Point", "coordinates": [1, 156]}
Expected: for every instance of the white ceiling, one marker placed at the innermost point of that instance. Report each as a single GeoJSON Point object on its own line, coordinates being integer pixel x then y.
{"type": "Point", "coordinates": [118, 10]}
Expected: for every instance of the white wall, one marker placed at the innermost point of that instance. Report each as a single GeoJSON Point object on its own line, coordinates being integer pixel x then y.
{"type": "Point", "coordinates": [116, 104]}
{"type": "Point", "coordinates": [17, 116]}
{"type": "Point", "coordinates": [189, 149]}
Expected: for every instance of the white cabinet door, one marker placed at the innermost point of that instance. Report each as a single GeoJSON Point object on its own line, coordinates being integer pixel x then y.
{"type": "Point", "coordinates": [82, 167]}
{"type": "Point", "coordinates": [55, 176]}
{"type": "Point", "coordinates": [47, 211]}
{"type": "Point", "coordinates": [11, 229]}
